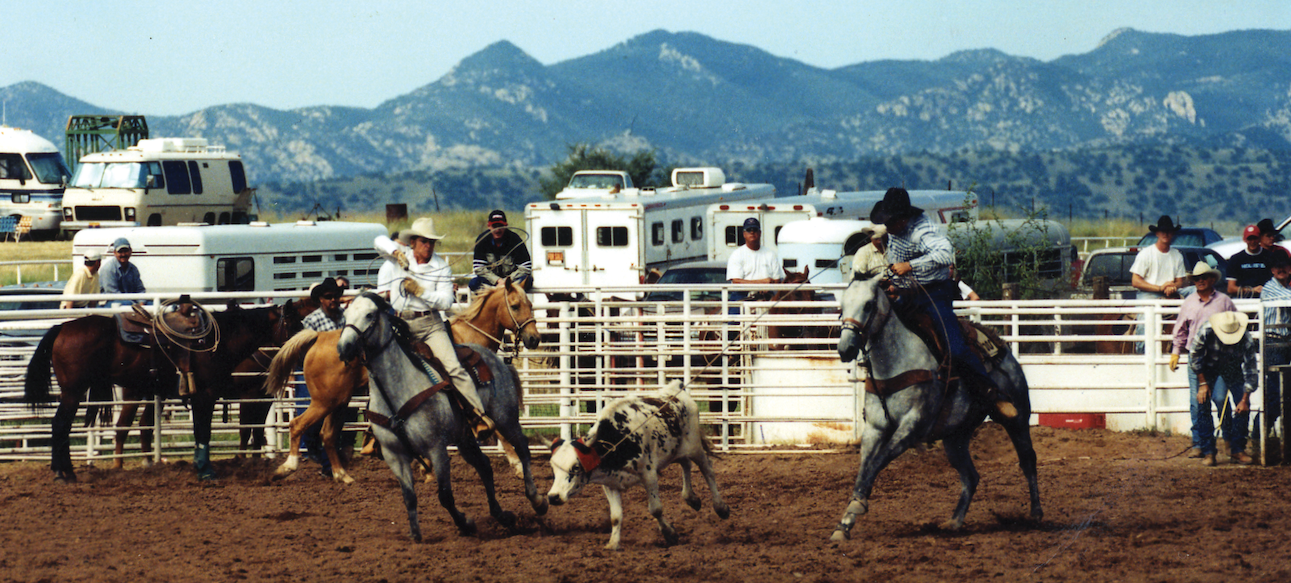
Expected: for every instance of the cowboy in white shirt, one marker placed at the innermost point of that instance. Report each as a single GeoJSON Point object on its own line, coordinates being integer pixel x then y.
{"type": "Point", "coordinates": [427, 288]}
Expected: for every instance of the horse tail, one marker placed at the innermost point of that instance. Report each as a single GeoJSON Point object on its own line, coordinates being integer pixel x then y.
{"type": "Point", "coordinates": [36, 388]}
{"type": "Point", "coordinates": [284, 363]}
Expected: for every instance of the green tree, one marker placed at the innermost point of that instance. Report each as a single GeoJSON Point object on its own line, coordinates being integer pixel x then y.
{"type": "Point", "coordinates": [641, 167]}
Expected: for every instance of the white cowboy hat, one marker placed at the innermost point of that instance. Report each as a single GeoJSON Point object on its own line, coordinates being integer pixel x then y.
{"type": "Point", "coordinates": [1202, 269]}
{"type": "Point", "coordinates": [875, 231]}
{"type": "Point", "coordinates": [1229, 326]}
{"type": "Point", "coordinates": [423, 227]}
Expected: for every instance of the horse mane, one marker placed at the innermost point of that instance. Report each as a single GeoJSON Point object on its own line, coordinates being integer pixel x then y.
{"type": "Point", "coordinates": [476, 306]}
{"type": "Point", "coordinates": [402, 333]}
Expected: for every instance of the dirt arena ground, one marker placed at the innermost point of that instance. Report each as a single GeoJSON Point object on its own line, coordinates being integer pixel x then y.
{"type": "Point", "coordinates": [1118, 507]}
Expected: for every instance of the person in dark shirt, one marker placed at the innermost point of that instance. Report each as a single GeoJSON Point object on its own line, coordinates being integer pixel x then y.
{"type": "Point", "coordinates": [500, 252]}
{"type": "Point", "coordinates": [1248, 269]}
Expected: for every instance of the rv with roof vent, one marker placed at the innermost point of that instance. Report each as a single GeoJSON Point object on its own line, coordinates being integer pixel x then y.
{"type": "Point", "coordinates": [32, 178]}
{"type": "Point", "coordinates": [614, 232]}
{"type": "Point", "coordinates": [254, 257]}
{"type": "Point", "coordinates": [163, 181]}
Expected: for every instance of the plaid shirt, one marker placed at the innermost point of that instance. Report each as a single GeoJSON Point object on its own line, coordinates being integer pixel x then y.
{"type": "Point", "coordinates": [928, 251]}
{"type": "Point", "coordinates": [1211, 356]}
{"type": "Point", "coordinates": [1276, 320]}
{"type": "Point", "coordinates": [318, 321]}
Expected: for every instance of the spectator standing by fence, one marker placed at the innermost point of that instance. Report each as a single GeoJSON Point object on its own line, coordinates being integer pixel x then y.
{"type": "Point", "coordinates": [1277, 332]}
{"type": "Point", "coordinates": [84, 280]}
{"type": "Point", "coordinates": [1248, 269]}
{"type": "Point", "coordinates": [1223, 357]}
{"type": "Point", "coordinates": [1195, 311]}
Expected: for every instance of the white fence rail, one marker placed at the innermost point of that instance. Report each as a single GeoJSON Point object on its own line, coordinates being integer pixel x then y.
{"type": "Point", "coordinates": [754, 388]}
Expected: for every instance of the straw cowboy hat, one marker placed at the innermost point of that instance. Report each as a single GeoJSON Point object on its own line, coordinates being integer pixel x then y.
{"type": "Point", "coordinates": [423, 227]}
{"type": "Point", "coordinates": [1203, 269]}
{"type": "Point", "coordinates": [875, 231]}
{"type": "Point", "coordinates": [894, 206]}
{"type": "Point", "coordinates": [1228, 326]}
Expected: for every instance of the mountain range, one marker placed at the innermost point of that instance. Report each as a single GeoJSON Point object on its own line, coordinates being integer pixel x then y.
{"type": "Point", "coordinates": [697, 100]}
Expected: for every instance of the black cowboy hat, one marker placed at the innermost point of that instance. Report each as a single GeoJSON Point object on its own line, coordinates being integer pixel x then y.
{"type": "Point", "coordinates": [328, 286]}
{"type": "Point", "coordinates": [894, 206]}
{"type": "Point", "coordinates": [1165, 224]}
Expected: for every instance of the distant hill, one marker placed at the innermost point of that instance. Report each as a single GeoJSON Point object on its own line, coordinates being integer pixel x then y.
{"type": "Point", "coordinates": [697, 100]}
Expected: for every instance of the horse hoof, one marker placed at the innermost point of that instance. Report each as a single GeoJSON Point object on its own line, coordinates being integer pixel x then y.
{"type": "Point", "coordinates": [540, 506]}
{"type": "Point", "coordinates": [467, 527]}
{"type": "Point", "coordinates": [839, 536]}
{"type": "Point", "coordinates": [952, 525]}
{"type": "Point", "coordinates": [722, 511]}
{"type": "Point", "coordinates": [670, 537]}
{"type": "Point", "coordinates": [506, 519]}
{"type": "Point", "coordinates": [694, 503]}
{"type": "Point", "coordinates": [65, 477]}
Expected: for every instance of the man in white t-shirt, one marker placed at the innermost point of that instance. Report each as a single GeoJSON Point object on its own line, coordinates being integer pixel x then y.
{"type": "Point", "coordinates": [753, 263]}
{"type": "Point", "coordinates": [1158, 270]}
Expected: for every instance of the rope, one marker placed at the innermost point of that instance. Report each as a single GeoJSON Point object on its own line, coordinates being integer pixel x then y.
{"type": "Point", "coordinates": [209, 327]}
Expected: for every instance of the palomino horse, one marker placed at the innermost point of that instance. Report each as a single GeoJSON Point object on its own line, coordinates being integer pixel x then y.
{"type": "Point", "coordinates": [332, 382]}
{"type": "Point", "coordinates": [88, 355]}
{"type": "Point", "coordinates": [911, 404]}
{"type": "Point", "coordinates": [411, 420]}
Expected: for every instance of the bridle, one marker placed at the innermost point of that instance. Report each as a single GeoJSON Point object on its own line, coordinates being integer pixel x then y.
{"type": "Point", "coordinates": [515, 321]}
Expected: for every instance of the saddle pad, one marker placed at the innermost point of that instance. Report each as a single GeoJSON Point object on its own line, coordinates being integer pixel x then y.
{"type": "Point", "coordinates": [984, 341]}
{"type": "Point", "coordinates": [131, 330]}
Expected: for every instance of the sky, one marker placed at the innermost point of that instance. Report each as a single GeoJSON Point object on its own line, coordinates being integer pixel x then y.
{"type": "Point", "coordinates": [176, 57]}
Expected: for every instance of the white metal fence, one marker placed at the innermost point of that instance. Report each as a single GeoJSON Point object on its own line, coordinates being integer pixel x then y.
{"type": "Point", "coordinates": [754, 388]}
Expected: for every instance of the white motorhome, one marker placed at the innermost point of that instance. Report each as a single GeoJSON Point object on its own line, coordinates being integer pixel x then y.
{"type": "Point", "coordinates": [726, 219]}
{"type": "Point", "coordinates": [33, 175]}
{"type": "Point", "coordinates": [254, 257]}
{"type": "Point", "coordinates": [612, 238]}
{"type": "Point", "coordinates": [163, 181]}
{"type": "Point", "coordinates": [824, 245]}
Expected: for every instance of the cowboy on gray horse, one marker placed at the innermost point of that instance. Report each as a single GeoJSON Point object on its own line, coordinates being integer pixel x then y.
{"type": "Point", "coordinates": [917, 249]}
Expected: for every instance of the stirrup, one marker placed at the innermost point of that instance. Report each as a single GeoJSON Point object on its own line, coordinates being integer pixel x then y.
{"type": "Point", "coordinates": [1006, 409]}
{"type": "Point", "coordinates": [482, 427]}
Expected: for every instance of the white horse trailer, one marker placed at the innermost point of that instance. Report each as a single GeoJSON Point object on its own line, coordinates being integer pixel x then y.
{"type": "Point", "coordinates": [613, 238]}
{"type": "Point", "coordinates": [254, 257]}
{"type": "Point", "coordinates": [726, 219]}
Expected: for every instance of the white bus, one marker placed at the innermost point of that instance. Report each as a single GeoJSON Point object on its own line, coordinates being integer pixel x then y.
{"type": "Point", "coordinates": [615, 236]}
{"type": "Point", "coordinates": [33, 175]}
{"type": "Point", "coordinates": [163, 181]}
{"type": "Point", "coordinates": [254, 257]}
{"type": "Point", "coordinates": [726, 219]}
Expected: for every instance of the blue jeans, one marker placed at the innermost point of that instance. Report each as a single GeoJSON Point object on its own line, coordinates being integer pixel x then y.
{"type": "Point", "coordinates": [938, 299]}
{"type": "Point", "coordinates": [1203, 428]}
{"type": "Point", "coordinates": [477, 282]}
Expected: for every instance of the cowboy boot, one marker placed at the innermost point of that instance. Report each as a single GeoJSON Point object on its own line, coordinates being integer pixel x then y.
{"type": "Point", "coordinates": [986, 390]}
{"type": "Point", "coordinates": [481, 425]}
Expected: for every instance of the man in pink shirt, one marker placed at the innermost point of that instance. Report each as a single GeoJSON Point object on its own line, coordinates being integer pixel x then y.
{"type": "Point", "coordinates": [1195, 311]}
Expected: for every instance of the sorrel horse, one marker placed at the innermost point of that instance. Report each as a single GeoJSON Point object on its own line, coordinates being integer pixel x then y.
{"type": "Point", "coordinates": [421, 422]}
{"type": "Point", "coordinates": [795, 331]}
{"type": "Point", "coordinates": [87, 355]}
{"type": "Point", "coordinates": [911, 403]}
{"type": "Point", "coordinates": [332, 382]}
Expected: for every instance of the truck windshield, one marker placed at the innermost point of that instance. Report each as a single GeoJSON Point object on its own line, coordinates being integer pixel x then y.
{"type": "Point", "coordinates": [116, 174]}
{"type": "Point", "coordinates": [606, 181]}
{"type": "Point", "coordinates": [49, 167]}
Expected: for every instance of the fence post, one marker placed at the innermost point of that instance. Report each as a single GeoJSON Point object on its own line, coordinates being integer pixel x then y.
{"type": "Point", "coordinates": [1151, 349]}
{"type": "Point", "coordinates": [566, 428]}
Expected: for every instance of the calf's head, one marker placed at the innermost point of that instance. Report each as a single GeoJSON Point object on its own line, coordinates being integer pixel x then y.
{"type": "Point", "coordinates": [572, 464]}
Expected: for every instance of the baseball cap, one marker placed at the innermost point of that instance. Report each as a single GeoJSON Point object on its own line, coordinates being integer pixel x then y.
{"type": "Point", "coordinates": [752, 224]}
{"type": "Point", "coordinates": [93, 255]}
{"type": "Point", "coordinates": [1251, 231]}
{"type": "Point", "coordinates": [497, 218]}
{"type": "Point", "coordinates": [119, 244]}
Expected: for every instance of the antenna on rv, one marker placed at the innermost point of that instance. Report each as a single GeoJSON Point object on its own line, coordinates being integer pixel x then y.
{"type": "Point", "coordinates": [809, 182]}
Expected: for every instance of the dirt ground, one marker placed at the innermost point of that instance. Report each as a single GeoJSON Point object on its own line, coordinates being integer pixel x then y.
{"type": "Point", "coordinates": [1118, 507]}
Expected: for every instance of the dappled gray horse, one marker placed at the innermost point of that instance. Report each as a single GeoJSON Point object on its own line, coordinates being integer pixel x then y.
{"type": "Point", "coordinates": [898, 416]}
{"type": "Point", "coordinates": [412, 420]}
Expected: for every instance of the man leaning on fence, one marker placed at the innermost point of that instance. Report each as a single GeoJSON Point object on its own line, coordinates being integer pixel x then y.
{"type": "Point", "coordinates": [1277, 332]}
{"type": "Point", "coordinates": [1223, 357]}
{"type": "Point", "coordinates": [84, 280]}
{"type": "Point", "coordinates": [1195, 311]}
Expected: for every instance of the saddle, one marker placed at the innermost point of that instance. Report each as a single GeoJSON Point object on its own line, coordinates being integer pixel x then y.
{"type": "Point", "coordinates": [471, 361]}
{"type": "Point", "coordinates": [139, 327]}
{"type": "Point", "coordinates": [985, 343]}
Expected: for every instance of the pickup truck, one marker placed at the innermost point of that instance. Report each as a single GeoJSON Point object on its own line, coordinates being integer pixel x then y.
{"type": "Point", "coordinates": [592, 182]}
{"type": "Point", "coordinates": [1115, 263]}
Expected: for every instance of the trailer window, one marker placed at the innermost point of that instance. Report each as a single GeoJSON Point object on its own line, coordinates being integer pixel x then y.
{"type": "Point", "coordinates": [656, 234]}
{"type": "Point", "coordinates": [696, 228]}
{"type": "Point", "coordinates": [239, 176]}
{"type": "Point", "coordinates": [678, 231]}
{"type": "Point", "coordinates": [196, 174]}
{"type": "Point", "coordinates": [177, 177]}
{"type": "Point", "coordinates": [612, 236]}
{"type": "Point", "coordinates": [733, 236]}
{"type": "Point", "coordinates": [235, 274]}
{"type": "Point", "coordinates": [557, 236]}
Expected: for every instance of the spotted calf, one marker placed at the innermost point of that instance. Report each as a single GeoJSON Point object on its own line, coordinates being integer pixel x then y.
{"type": "Point", "coordinates": [632, 440]}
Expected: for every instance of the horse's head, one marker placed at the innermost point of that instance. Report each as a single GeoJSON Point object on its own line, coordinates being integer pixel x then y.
{"type": "Point", "coordinates": [865, 306]}
{"type": "Point", "coordinates": [363, 326]}
{"type": "Point", "coordinates": [517, 313]}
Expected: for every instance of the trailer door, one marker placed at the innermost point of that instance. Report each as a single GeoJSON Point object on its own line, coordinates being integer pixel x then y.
{"type": "Point", "coordinates": [615, 248]}
{"type": "Point", "coordinates": [558, 251]}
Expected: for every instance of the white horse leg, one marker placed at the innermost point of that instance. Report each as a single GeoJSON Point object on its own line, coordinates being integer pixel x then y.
{"type": "Point", "coordinates": [879, 446]}
{"type": "Point", "coordinates": [399, 463]}
{"type": "Point", "coordinates": [293, 458]}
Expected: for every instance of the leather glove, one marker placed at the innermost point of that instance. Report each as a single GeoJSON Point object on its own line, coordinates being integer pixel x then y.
{"type": "Point", "coordinates": [411, 287]}
{"type": "Point", "coordinates": [401, 259]}
{"type": "Point", "coordinates": [1174, 362]}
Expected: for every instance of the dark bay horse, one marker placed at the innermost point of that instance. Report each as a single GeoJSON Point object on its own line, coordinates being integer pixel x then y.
{"type": "Point", "coordinates": [421, 422]}
{"type": "Point", "coordinates": [88, 356]}
{"type": "Point", "coordinates": [796, 331]}
{"type": "Point", "coordinates": [911, 404]}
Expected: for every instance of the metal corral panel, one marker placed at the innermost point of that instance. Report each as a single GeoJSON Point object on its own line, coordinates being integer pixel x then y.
{"type": "Point", "coordinates": [813, 388]}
